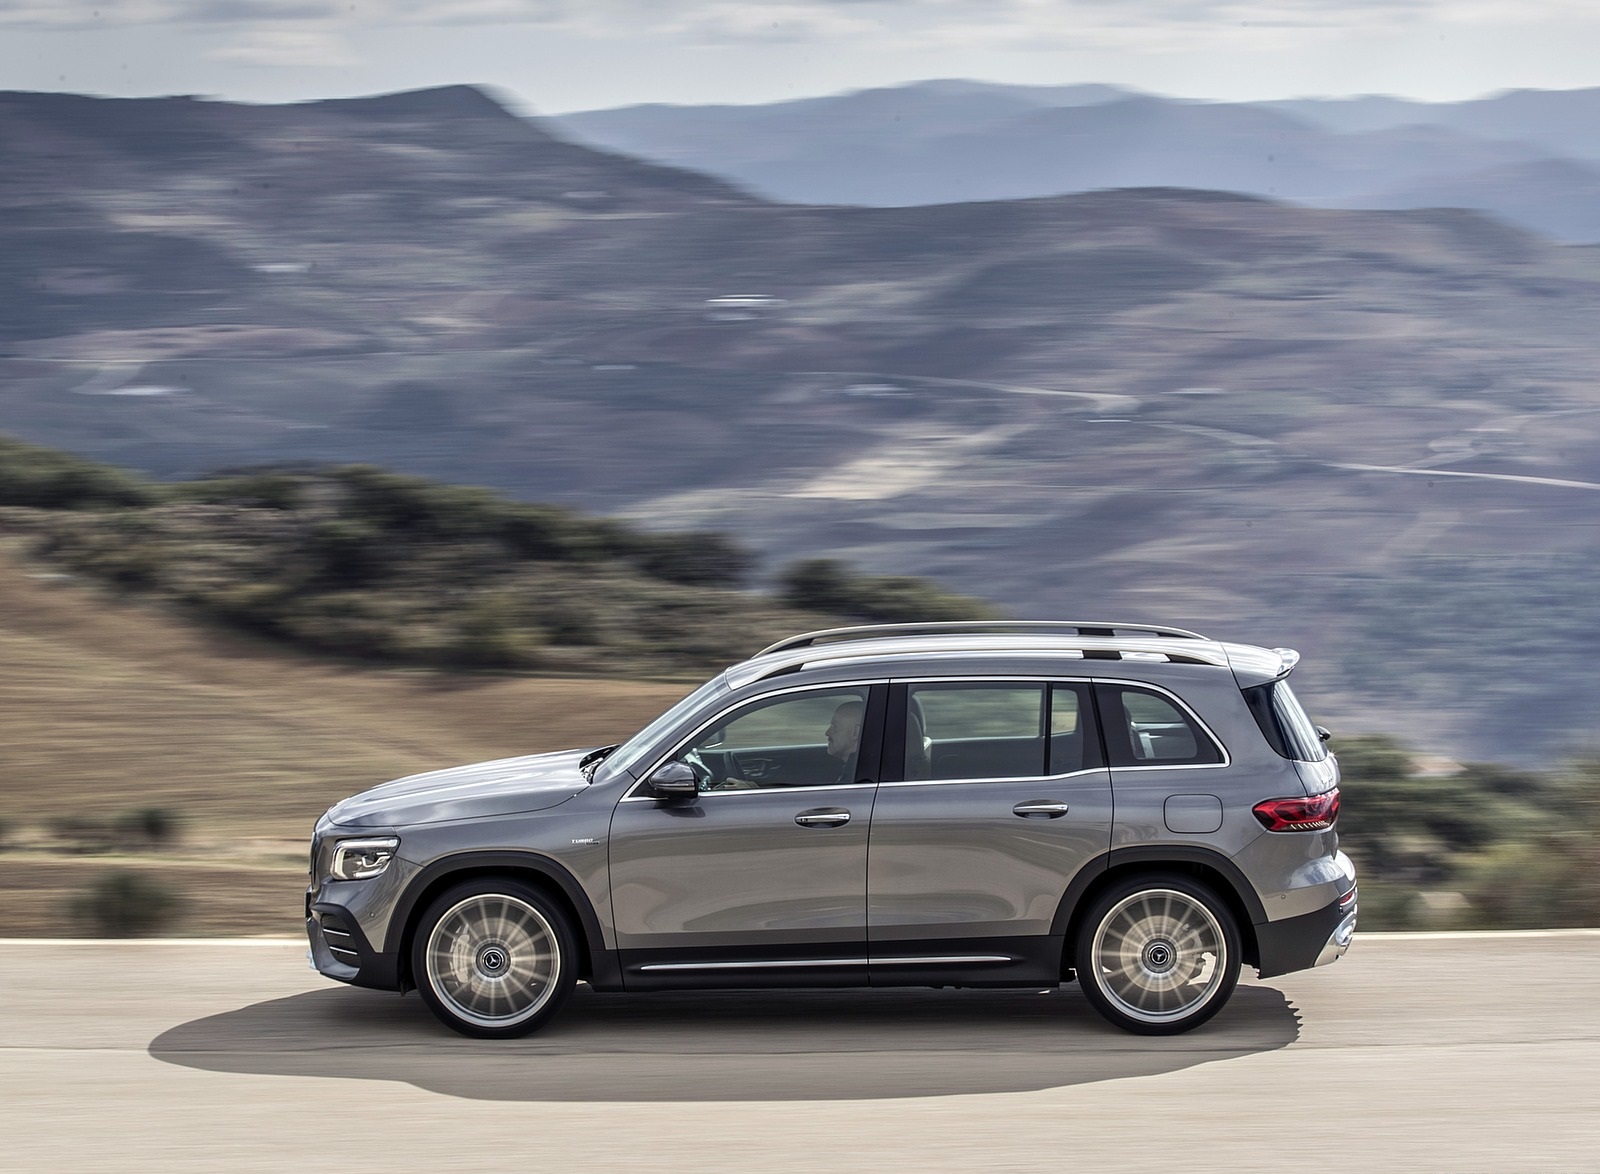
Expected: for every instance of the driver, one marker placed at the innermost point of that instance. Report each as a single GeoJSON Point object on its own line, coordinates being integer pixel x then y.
{"type": "Point", "coordinates": [844, 737]}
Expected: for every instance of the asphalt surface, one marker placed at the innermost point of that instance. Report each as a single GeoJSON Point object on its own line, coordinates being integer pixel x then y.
{"type": "Point", "coordinates": [1415, 1052]}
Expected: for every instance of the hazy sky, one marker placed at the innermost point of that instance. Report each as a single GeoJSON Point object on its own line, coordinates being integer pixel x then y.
{"type": "Point", "coordinates": [558, 55]}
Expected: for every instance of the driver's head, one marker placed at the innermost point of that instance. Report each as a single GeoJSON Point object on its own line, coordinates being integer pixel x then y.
{"type": "Point", "coordinates": [844, 731]}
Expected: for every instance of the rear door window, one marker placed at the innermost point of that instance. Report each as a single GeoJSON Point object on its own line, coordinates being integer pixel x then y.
{"type": "Point", "coordinates": [1074, 740]}
{"type": "Point", "coordinates": [995, 730]}
{"type": "Point", "coordinates": [975, 731]}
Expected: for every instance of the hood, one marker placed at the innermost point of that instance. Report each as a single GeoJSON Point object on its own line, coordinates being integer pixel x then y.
{"type": "Point", "coordinates": [503, 787]}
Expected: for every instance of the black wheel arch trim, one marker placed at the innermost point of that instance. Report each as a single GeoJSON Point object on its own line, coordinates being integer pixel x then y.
{"type": "Point", "coordinates": [1156, 856]}
{"type": "Point", "coordinates": [604, 970]}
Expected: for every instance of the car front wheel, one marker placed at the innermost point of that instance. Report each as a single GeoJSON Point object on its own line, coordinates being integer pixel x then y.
{"type": "Point", "coordinates": [493, 958]}
{"type": "Point", "coordinates": [1158, 954]}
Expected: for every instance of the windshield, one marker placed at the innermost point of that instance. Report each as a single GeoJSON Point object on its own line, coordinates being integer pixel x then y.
{"type": "Point", "coordinates": [636, 747]}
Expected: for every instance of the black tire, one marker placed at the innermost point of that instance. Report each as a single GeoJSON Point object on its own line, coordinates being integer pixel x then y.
{"type": "Point", "coordinates": [494, 958]}
{"type": "Point", "coordinates": [1158, 954]}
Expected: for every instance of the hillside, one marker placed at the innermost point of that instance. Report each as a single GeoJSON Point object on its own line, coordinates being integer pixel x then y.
{"type": "Point", "coordinates": [1367, 435]}
{"type": "Point", "coordinates": [113, 707]}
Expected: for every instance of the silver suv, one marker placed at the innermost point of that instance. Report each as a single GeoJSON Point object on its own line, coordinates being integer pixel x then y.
{"type": "Point", "coordinates": [972, 805]}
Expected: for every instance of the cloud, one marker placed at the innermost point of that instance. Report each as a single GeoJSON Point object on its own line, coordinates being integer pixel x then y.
{"type": "Point", "coordinates": [995, 22]}
{"type": "Point", "coordinates": [279, 47]}
{"type": "Point", "coordinates": [89, 14]}
{"type": "Point", "coordinates": [260, 11]}
{"type": "Point", "coordinates": [769, 22]}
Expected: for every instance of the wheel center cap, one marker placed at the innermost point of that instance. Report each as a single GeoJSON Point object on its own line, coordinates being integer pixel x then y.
{"type": "Point", "coordinates": [492, 960]}
{"type": "Point", "coordinates": [1159, 955]}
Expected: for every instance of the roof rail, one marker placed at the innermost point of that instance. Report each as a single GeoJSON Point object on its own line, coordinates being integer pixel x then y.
{"type": "Point", "coordinates": [979, 627]}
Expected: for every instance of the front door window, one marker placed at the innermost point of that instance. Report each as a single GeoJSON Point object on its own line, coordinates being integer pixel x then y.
{"type": "Point", "coordinates": [798, 740]}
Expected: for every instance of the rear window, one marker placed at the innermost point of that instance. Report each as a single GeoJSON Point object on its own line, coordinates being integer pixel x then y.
{"type": "Point", "coordinates": [1284, 723]}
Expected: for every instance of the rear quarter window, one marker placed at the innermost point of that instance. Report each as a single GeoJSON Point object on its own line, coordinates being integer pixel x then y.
{"type": "Point", "coordinates": [1146, 728]}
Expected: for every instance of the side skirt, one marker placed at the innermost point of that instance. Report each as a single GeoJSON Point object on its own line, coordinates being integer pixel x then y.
{"type": "Point", "coordinates": [970, 962]}
{"type": "Point", "coordinates": [1034, 961]}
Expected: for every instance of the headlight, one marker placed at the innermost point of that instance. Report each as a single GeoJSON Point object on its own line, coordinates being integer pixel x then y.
{"type": "Point", "coordinates": [363, 859]}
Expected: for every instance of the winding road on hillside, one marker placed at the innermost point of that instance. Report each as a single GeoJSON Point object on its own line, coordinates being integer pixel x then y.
{"type": "Point", "coordinates": [1413, 1053]}
{"type": "Point", "coordinates": [893, 478]}
{"type": "Point", "coordinates": [1105, 401]}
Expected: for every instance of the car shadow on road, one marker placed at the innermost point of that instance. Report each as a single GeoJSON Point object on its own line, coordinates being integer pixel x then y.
{"type": "Point", "coordinates": [725, 1046]}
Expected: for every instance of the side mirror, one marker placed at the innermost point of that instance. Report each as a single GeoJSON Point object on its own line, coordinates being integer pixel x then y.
{"type": "Point", "coordinates": [1324, 733]}
{"type": "Point", "coordinates": [674, 780]}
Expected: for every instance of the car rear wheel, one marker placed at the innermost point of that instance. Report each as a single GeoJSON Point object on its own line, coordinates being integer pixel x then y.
{"type": "Point", "coordinates": [1158, 954]}
{"type": "Point", "coordinates": [494, 958]}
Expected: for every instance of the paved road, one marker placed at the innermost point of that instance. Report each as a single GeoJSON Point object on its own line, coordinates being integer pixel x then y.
{"type": "Point", "coordinates": [1447, 1052]}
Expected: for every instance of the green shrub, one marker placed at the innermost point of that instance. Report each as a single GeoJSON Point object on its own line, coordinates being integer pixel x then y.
{"type": "Point", "coordinates": [84, 833]}
{"type": "Point", "coordinates": [492, 633]}
{"type": "Point", "coordinates": [827, 585]}
{"type": "Point", "coordinates": [1550, 878]}
{"type": "Point", "coordinates": [257, 607]}
{"type": "Point", "coordinates": [264, 490]}
{"type": "Point", "coordinates": [536, 532]}
{"type": "Point", "coordinates": [697, 558]}
{"type": "Point", "coordinates": [125, 904]}
{"type": "Point", "coordinates": [571, 621]}
{"type": "Point", "coordinates": [1389, 906]}
{"type": "Point", "coordinates": [360, 624]}
{"type": "Point", "coordinates": [347, 553]}
{"type": "Point", "coordinates": [150, 827]}
{"type": "Point", "coordinates": [47, 479]}
{"type": "Point", "coordinates": [416, 508]}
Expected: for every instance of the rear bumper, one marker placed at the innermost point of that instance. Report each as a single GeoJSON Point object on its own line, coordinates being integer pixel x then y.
{"type": "Point", "coordinates": [1312, 939]}
{"type": "Point", "coordinates": [1339, 941]}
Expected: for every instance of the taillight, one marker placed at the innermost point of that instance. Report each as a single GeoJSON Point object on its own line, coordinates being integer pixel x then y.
{"type": "Point", "coordinates": [1299, 815]}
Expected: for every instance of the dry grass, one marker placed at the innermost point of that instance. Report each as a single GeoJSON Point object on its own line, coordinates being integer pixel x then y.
{"type": "Point", "coordinates": [108, 706]}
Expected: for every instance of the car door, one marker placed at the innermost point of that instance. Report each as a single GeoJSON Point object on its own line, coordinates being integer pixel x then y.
{"type": "Point", "coordinates": [760, 878]}
{"type": "Point", "coordinates": [995, 795]}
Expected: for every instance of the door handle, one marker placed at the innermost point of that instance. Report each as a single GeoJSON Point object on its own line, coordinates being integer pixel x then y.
{"type": "Point", "coordinates": [1049, 808]}
{"type": "Point", "coordinates": [823, 817]}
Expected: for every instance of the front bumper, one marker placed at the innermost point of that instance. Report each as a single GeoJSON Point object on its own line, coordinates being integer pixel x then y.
{"type": "Point", "coordinates": [348, 922]}
{"type": "Point", "coordinates": [340, 950]}
{"type": "Point", "coordinates": [1312, 939]}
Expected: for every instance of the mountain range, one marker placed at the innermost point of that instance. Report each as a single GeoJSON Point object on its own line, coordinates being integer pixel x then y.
{"type": "Point", "coordinates": [1531, 157]}
{"type": "Point", "coordinates": [1372, 435]}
